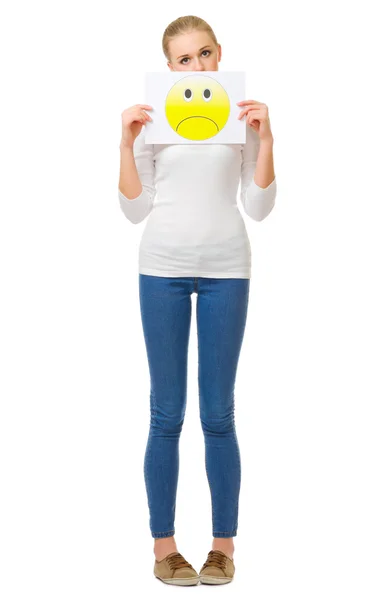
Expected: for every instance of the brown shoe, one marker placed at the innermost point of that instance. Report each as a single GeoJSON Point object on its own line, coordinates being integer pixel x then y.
{"type": "Point", "coordinates": [176, 570]}
{"type": "Point", "coordinates": [218, 568]}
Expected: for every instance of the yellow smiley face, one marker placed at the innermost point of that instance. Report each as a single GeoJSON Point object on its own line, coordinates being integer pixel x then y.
{"type": "Point", "coordinates": [197, 107]}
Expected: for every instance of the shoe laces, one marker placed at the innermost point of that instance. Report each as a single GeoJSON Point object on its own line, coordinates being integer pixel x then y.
{"type": "Point", "coordinates": [216, 558]}
{"type": "Point", "coordinates": [177, 561]}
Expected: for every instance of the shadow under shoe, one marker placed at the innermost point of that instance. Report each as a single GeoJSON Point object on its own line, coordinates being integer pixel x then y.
{"type": "Point", "coordinates": [218, 568]}
{"type": "Point", "coordinates": [176, 570]}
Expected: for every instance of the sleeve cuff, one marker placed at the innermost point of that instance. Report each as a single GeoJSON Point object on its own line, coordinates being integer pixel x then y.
{"type": "Point", "coordinates": [123, 197]}
{"type": "Point", "coordinates": [136, 209]}
{"type": "Point", "coordinates": [258, 190]}
{"type": "Point", "coordinates": [258, 202]}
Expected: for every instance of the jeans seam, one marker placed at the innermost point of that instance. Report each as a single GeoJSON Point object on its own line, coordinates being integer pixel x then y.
{"type": "Point", "coordinates": [225, 531]}
{"type": "Point", "coordinates": [158, 532]}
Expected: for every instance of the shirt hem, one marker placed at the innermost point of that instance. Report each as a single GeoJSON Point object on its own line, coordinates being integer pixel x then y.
{"type": "Point", "coordinates": [196, 273]}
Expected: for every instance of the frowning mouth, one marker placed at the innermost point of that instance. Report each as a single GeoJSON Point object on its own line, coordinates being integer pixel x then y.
{"type": "Point", "coordinates": [198, 117]}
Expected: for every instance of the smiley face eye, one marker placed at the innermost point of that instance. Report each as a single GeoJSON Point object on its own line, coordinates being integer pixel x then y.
{"type": "Point", "coordinates": [207, 95]}
{"type": "Point", "coordinates": [188, 95]}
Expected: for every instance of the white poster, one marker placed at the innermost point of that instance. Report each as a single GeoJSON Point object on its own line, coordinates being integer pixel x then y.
{"type": "Point", "coordinates": [195, 107]}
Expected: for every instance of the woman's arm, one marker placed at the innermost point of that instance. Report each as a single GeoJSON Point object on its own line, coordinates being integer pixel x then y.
{"type": "Point", "coordinates": [258, 181]}
{"type": "Point", "coordinates": [264, 171]}
{"type": "Point", "coordinates": [136, 189]}
{"type": "Point", "coordinates": [129, 180]}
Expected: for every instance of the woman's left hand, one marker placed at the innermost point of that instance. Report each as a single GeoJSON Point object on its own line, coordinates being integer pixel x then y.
{"type": "Point", "coordinates": [257, 118]}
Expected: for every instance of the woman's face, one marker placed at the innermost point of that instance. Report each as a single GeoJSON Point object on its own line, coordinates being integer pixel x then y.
{"type": "Point", "coordinates": [194, 51]}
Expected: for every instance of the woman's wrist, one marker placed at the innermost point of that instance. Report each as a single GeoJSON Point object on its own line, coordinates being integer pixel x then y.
{"type": "Point", "coordinates": [268, 141]}
{"type": "Point", "coordinates": [125, 145]}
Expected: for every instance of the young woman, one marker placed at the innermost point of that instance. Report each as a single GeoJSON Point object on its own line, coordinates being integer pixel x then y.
{"type": "Point", "coordinates": [195, 240]}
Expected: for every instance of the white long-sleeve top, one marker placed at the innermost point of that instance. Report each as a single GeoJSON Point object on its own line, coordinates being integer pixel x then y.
{"type": "Point", "coordinates": [189, 191]}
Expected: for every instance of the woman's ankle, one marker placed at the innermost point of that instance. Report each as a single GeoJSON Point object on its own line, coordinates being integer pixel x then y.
{"type": "Point", "coordinates": [226, 545]}
{"type": "Point", "coordinates": [164, 546]}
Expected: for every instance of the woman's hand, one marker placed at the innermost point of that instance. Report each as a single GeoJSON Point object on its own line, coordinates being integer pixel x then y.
{"type": "Point", "coordinates": [133, 119]}
{"type": "Point", "coordinates": [257, 118]}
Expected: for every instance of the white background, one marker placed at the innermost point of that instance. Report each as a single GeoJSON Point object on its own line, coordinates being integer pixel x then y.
{"type": "Point", "coordinates": [74, 376]}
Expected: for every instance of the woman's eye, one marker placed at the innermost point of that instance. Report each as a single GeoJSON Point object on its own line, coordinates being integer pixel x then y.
{"type": "Point", "coordinates": [182, 61]}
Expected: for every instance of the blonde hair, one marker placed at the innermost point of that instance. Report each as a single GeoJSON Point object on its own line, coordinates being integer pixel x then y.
{"type": "Point", "coordinates": [184, 25]}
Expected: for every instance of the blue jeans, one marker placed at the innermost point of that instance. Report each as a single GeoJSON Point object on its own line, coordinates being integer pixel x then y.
{"type": "Point", "coordinates": [221, 309]}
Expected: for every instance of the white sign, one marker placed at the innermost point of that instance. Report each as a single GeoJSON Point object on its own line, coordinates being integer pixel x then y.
{"type": "Point", "coordinates": [195, 107]}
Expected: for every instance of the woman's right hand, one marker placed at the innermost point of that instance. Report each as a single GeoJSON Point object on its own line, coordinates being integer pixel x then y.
{"type": "Point", "coordinates": [133, 119]}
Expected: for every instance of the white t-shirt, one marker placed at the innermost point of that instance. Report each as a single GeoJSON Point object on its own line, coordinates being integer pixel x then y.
{"type": "Point", "coordinates": [195, 228]}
